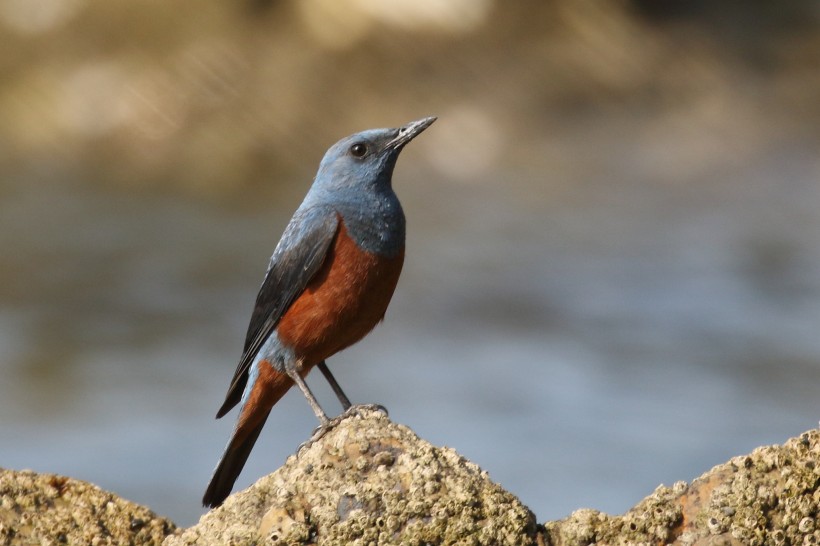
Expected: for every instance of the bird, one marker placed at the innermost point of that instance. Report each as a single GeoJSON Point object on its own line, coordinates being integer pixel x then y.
{"type": "Point", "coordinates": [328, 284]}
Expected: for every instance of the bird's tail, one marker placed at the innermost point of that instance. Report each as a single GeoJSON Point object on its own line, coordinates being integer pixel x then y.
{"type": "Point", "coordinates": [265, 390]}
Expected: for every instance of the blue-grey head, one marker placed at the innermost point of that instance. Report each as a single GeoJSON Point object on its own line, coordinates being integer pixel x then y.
{"type": "Point", "coordinates": [354, 181]}
{"type": "Point", "coordinates": [365, 161]}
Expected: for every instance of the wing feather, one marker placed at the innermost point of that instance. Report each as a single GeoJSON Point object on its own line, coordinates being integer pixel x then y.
{"type": "Point", "coordinates": [298, 256]}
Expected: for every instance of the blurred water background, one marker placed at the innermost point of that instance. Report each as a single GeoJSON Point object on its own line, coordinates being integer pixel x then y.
{"type": "Point", "coordinates": [613, 265]}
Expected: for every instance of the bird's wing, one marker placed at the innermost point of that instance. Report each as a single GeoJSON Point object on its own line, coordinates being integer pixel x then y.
{"type": "Point", "coordinates": [297, 258]}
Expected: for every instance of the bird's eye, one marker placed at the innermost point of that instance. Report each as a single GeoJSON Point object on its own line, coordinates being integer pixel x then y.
{"type": "Point", "coordinates": [358, 150]}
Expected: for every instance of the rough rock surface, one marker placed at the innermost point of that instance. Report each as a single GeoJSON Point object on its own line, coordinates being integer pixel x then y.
{"type": "Point", "coordinates": [769, 497]}
{"type": "Point", "coordinates": [50, 509]}
{"type": "Point", "coordinates": [369, 481]}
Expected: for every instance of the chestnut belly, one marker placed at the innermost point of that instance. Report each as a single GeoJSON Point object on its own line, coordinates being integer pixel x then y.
{"type": "Point", "coordinates": [346, 298]}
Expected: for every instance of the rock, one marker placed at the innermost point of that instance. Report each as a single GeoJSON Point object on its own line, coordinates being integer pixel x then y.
{"type": "Point", "coordinates": [51, 509]}
{"type": "Point", "coordinates": [369, 481]}
{"type": "Point", "coordinates": [768, 497]}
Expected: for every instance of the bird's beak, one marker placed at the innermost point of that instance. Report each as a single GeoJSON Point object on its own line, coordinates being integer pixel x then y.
{"type": "Point", "coordinates": [409, 132]}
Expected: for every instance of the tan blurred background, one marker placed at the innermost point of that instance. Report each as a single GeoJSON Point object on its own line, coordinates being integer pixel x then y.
{"type": "Point", "coordinates": [613, 271]}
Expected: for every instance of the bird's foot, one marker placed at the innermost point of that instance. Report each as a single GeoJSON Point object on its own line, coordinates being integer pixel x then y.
{"type": "Point", "coordinates": [326, 426]}
{"type": "Point", "coordinates": [318, 432]}
{"type": "Point", "coordinates": [357, 409]}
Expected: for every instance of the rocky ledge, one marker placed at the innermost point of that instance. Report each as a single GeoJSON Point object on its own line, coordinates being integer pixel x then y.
{"type": "Point", "coordinates": [370, 481]}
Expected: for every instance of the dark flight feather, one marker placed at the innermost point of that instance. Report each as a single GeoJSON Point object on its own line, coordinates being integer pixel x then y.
{"type": "Point", "coordinates": [297, 258]}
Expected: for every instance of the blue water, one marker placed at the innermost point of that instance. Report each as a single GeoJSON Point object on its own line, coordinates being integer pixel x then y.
{"type": "Point", "coordinates": [583, 337]}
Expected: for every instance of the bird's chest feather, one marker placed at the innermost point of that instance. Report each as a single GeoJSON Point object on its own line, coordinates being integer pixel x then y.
{"type": "Point", "coordinates": [346, 298]}
{"type": "Point", "coordinates": [375, 221]}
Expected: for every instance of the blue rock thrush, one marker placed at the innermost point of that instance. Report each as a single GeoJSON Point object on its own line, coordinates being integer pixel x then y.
{"type": "Point", "coordinates": [328, 284]}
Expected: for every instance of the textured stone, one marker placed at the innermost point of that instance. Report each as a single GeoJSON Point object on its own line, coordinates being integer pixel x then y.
{"type": "Point", "coordinates": [50, 509]}
{"type": "Point", "coordinates": [369, 481]}
{"type": "Point", "coordinates": [769, 497]}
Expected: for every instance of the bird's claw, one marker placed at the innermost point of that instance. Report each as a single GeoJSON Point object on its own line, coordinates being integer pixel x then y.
{"type": "Point", "coordinates": [326, 426]}
{"type": "Point", "coordinates": [357, 409]}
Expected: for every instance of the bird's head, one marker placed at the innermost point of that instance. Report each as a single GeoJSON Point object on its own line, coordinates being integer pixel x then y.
{"type": "Point", "coordinates": [366, 159]}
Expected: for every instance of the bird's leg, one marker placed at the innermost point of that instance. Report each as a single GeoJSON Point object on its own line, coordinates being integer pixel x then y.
{"type": "Point", "coordinates": [334, 385]}
{"type": "Point", "coordinates": [346, 405]}
{"type": "Point", "coordinates": [314, 404]}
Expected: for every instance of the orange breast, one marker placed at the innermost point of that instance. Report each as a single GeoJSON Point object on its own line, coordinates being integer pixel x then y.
{"type": "Point", "coordinates": [342, 303]}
